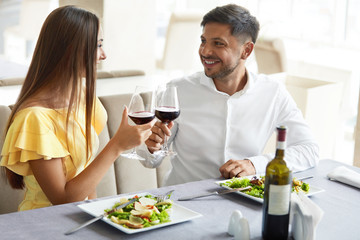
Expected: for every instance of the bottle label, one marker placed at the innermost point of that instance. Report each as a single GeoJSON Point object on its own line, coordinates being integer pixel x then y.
{"type": "Point", "coordinates": [280, 145]}
{"type": "Point", "coordinates": [279, 197]}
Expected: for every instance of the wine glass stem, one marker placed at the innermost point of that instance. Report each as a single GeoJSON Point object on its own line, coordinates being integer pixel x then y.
{"type": "Point", "coordinates": [165, 146]}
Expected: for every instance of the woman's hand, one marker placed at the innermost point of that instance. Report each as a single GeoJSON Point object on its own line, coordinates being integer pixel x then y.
{"type": "Point", "coordinates": [156, 139]}
{"type": "Point", "coordinates": [128, 136]}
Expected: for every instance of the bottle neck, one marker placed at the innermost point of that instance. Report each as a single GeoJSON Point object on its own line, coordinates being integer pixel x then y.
{"type": "Point", "coordinates": [280, 149]}
{"type": "Point", "coordinates": [281, 145]}
{"type": "Point", "coordinates": [281, 142]}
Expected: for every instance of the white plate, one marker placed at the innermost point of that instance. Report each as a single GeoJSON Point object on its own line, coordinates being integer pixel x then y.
{"type": "Point", "coordinates": [179, 214]}
{"type": "Point", "coordinates": [313, 190]}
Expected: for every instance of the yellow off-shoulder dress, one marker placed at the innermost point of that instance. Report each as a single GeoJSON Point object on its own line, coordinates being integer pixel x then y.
{"type": "Point", "coordinates": [40, 133]}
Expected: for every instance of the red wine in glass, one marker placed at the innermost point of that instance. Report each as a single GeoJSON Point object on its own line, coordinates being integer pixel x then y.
{"type": "Point", "coordinates": [141, 111]}
{"type": "Point", "coordinates": [167, 109]}
{"type": "Point", "coordinates": [167, 114]}
{"type": "Point", "coordinates": [141, 117]}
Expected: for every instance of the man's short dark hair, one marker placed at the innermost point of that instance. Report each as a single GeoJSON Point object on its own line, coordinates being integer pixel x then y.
{"type": "Point", "coordinates": [241, 21]}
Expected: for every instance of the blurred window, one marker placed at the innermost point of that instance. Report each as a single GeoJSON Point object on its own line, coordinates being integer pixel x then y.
{"type": "Point", "coordinates": [352, 31]}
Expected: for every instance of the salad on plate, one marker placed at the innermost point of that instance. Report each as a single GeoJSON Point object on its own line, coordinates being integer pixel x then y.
{"type": "Point", "coordinates": [257, 184]}
{"type": "Point", "coordinates": [144, 212]}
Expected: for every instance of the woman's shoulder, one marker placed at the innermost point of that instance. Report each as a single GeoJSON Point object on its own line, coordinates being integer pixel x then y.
{"type": "Point", "coordinates": [36, 117]}
{"type": "Point", "coordinates": [37, 112]}
{"type": "Point", "coordinates": [33, 134]}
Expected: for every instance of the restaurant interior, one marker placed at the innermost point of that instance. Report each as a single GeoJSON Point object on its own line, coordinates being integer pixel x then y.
{"type": "Point", "coordinates": [311, 46]}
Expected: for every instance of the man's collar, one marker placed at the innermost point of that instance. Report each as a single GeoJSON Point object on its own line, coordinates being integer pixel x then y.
{"type": "Point", "coordinates": [209, 82]}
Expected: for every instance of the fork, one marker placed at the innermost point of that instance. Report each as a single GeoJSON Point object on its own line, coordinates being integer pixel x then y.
{"type": "Point", "coordinates": [163, 197]}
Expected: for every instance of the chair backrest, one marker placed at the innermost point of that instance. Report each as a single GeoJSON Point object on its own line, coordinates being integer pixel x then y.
{"type": "Point", "coordinates": [9, 198]}
{"type": "Point", "coordinates": [270, 56]}
{"type": "Point", "coordinates": [118, 73]}
{"type": "Point", "coordinates": [103, 74]}
{"type": "Point", "coordinates": [130, 174]}
{"type": "Point", "coordinates": [182, 42]}
{"type": "Point", "coordinates": [12, 81]}
{"type": "Point", "coordinates": [127, 73]}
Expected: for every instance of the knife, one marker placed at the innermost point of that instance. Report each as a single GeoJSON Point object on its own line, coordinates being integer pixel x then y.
{"type": "Point", "coordinates": [213, 193]}
{"type": "Point", "coordinates": [99, 217]}
{"type": "Point", "coordinates": [303, 178]}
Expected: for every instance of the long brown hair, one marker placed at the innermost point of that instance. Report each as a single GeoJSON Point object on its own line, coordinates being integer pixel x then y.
{"type": "Point", "coordinates": [65, 53]}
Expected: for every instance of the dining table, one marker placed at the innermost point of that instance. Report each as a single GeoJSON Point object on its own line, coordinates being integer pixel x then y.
{"type": "Point", "coordinates": [338, 201]}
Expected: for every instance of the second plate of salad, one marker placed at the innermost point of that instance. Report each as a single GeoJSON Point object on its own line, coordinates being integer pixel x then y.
{"type": "Point", "coordinates": [257, 183]}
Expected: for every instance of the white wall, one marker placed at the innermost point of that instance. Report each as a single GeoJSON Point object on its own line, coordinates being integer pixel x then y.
{"type": "Point", "coordinates": [129, 34]}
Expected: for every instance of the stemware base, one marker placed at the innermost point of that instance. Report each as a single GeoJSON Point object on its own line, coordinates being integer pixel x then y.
{"type": "Point", "coordinates": [132, 156]}
{"type": "Point", "coordinates": [165, 153]}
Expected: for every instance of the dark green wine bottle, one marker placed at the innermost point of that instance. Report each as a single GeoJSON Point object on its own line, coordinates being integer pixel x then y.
{"type": "Point", "coordinates": [277, 192]}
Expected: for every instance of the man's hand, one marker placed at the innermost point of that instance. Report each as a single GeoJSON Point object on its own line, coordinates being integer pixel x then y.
{"type": "Point", "coordinates": [237, 168]}
{"type": "Point", "coordinates": [156, 139]}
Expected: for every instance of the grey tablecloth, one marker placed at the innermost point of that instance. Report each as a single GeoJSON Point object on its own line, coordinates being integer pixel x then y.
{"type": "Point", "coordinates": [340, 203]}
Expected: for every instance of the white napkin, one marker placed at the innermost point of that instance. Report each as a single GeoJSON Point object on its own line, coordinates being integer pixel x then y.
{"type": "Point", "coordinates": [345, 175]}
{"type": "Point", "coordinates": [305, 216]}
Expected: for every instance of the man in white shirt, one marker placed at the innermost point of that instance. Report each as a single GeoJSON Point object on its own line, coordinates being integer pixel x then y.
{"type": "Point", "coordinates": [227, 113]}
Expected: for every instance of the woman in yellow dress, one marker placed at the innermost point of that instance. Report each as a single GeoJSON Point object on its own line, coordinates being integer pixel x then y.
{"type": "Point", "coordinates": [52, 133]}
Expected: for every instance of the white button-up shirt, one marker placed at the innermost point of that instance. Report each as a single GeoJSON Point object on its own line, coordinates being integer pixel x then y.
{"type": "Point", "coordinates": [214, 127]}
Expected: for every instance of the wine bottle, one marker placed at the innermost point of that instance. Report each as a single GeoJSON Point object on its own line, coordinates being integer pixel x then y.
{"type": "Point", "coordinates": [276, 207]}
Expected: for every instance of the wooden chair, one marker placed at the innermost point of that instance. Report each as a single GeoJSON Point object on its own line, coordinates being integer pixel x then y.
{"type": "Point", "coordinates": [182, 42]}
{"type": "Point", "coordinates": [270, 56]}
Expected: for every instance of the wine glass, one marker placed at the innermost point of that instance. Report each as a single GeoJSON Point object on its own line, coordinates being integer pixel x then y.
{"type": "Point", "coordinates": [141, 111]}
{"type": "Point", "coordinates": [166, 110]}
